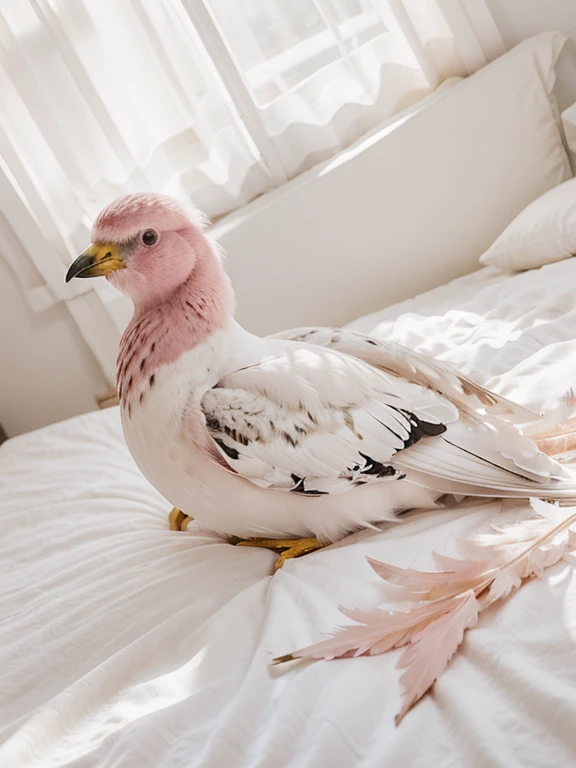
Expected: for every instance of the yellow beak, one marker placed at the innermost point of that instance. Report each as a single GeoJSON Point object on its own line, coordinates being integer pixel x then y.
{"type": "Point", "coordinates": [98, 259]}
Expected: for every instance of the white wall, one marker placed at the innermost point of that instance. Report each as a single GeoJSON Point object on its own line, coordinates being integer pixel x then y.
{"type": "Point", "coordinates": [519, 19]}
{"type": "Point", "coordinates": [47, 372]}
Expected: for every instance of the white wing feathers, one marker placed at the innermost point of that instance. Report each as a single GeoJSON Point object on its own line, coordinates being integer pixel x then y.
{"type": "Point", "coordinates": [315, 420]}
{"type": "Point", "coordinates": [416, 367]}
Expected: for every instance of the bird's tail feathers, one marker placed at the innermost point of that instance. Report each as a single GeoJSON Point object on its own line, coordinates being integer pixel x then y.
{"type": "Point", "coordinates": [559, 438]}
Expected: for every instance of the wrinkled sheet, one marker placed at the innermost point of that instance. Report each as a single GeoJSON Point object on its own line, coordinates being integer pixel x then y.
{"type": "Point", "coordinates": [125, 644]}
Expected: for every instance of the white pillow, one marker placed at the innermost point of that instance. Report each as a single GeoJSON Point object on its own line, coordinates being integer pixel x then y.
{"type": "Point", "coordinates": [544, 232]}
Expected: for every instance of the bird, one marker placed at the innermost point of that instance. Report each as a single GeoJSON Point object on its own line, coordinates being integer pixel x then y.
{"type": "Point", "coordinates": [293, 440]}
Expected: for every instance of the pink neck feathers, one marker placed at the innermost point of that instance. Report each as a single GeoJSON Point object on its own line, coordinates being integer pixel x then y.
{"type": "Point", "coordinates": [160, 334]}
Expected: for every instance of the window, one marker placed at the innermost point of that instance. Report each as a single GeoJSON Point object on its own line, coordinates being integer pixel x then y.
{"type": "Point", "coordinates": [277, 45]}
{"type": "Point", "coordinates": [217, 101]}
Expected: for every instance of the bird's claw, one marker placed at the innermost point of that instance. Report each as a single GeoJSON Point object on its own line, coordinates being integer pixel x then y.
{"type": "Point", "coordinates": [178, 520]}
{"type": "Point", "coordinates": [286, 548]}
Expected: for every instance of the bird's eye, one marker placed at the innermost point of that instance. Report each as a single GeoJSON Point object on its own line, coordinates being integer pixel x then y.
{"type": "Point", "coordinates": [149, 237]}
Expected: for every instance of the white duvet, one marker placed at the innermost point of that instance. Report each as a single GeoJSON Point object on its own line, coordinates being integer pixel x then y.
{"type": "Point", "coordinates": [126, 645]}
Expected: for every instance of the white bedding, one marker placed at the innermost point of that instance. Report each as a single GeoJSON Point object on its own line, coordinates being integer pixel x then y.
{"type": "Point", "coordinates": [124, 644]}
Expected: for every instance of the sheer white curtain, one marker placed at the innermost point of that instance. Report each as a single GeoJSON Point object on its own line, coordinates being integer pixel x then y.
{"type": "Point", "coordinates": [320, 72]}
{"type": "Point", "coordinates": [99, 98]}
{"type": "Point", "coordinates": [212, 100]}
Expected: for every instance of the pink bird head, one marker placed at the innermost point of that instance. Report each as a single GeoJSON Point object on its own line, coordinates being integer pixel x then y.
{"type": "Point", "coordinates": [147, 245]}
{"type": "Point", "coordinates": [154, 250]}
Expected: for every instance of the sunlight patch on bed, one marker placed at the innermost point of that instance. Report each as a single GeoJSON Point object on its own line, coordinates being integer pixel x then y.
{"type": "Point", "coordinates": [58, 736]}
{"type": "Point", "coordinates": [154, 695]}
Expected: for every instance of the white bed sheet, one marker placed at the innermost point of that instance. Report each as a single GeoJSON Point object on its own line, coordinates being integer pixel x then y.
{"type": "Point", "coordinates": [125, 644]}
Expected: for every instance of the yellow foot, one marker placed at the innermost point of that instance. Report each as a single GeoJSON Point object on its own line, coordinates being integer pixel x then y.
{"type": "Point", "coordinates": [178, 520]}
{"type": "Point", "coordinates": [287, 548]}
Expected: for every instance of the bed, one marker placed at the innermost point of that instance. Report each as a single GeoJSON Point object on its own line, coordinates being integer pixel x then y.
{"type": "Point", "coordinates": [127, 644]}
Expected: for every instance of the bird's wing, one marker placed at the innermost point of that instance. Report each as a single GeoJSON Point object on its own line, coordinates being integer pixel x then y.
{"type": "Point", "coordinates": [467, 394]}
{"type": "Point", "coordinates": [314, 421]}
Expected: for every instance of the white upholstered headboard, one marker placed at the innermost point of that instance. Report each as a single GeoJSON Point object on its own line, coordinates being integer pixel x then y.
{"type": "Point", "coordinates": [413, 205]}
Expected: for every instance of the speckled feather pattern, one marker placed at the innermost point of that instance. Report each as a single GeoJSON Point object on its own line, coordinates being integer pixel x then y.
{"type": "Point", "coordinates": [161, 333]}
